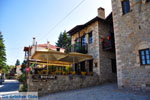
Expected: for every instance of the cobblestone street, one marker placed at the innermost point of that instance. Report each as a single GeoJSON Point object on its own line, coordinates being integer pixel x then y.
{"type": "Point", "coordinates": [102, 92]}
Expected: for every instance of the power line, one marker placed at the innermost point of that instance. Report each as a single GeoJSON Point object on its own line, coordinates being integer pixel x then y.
{"type": "Point", "coordinates": [55, 25]}
{"type": "Point", "coordinates": [14, 48]}
{"type": "Point", "coordinates": [63, 18]}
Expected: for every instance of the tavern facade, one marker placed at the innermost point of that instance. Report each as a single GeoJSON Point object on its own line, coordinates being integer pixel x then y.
{"type": "Point", "coordinates": [96, 38]}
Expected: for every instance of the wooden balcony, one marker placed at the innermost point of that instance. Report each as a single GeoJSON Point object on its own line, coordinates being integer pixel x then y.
{"type": "Point", "coordinates": [79, 47]}
{"type": "Point", "coordinates": [108, 44]}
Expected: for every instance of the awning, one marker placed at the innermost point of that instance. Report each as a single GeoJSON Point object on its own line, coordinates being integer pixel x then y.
{"type": "Point", "coordinates": [74, 57]}
{"type": "Point", "coordinates": [55, 57]}
{"type": "Point", "coordinates": [50, 55]}
{"type": "Point", "coordinates": [52, 63]}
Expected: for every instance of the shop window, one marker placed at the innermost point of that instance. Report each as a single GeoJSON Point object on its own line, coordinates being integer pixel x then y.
{"type": "Point", "coordinates": [113, 64]}
{"type": "Point", "coordinates": [125, 6]}
{"type": "Point", "coordinates": [26, 53]}
{"type": "Point", "coordinates": [83, 40]}
{"type": "Point", "coordinates": [57, 49]}
{"type": "Point", "coordinates": [147, 1]}
{"type": "Point", "coordinates": [90, 65]}
{"type": "Point", "coordinates": [82, 65]}
{"type": "Point", "coordinates": [90, 38]}
{"type": "Point", "coordinates": [96, 64]}
{"type": "Point", "coordinates": [145, 57]}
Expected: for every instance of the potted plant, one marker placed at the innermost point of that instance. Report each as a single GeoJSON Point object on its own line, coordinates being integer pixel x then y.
{"type": "Point", "coordinates": [73, 73]}
{"type": "Point", "coordinates": [83, 73]}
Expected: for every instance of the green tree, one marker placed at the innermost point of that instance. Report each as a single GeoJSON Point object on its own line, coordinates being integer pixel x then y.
{"type": "Point", "coordinates": [7, 68]}
{"type": "Point", "coordinates": [17, 63]}
{"type": "Point", "coordinates": [64, 41]}
{"type": "Point", "coordinates": [23, 66]}
{"type": "Point", "coordinates": [2, 52]}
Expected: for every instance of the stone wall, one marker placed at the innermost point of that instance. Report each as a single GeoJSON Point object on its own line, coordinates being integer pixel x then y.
{"type": "Point", "coordinates": [101, 59]}
{"type": "Point", "coordinates": [61, 83]}
{"type": "Point", "coordinates": [105, 57]}
{"type": "Point", "coordinates": [132, 33]}
{"type": "Point", "coordinates": [93, 48]}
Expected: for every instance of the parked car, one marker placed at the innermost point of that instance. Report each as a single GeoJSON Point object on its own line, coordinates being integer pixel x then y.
{"type": "Point", "coordinates": [1, 79]}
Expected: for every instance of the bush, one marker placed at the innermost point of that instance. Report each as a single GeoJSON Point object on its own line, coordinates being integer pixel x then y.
{"type": "Point", "coordinates": [22, 78]}
{"type": "Point", "coordinates": [23, 88]}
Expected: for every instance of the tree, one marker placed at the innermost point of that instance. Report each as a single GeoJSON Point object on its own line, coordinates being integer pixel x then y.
{"type": "Point", "coordinates": [17, 63]}
{"type": "Point", "coordinates": [23, 66]}
{"type": "Point", "coordinates": [7, 68]}
{"type": "Point", "coordinates": [64, 41]}
{"type": "Point", "coordinates": [2, 52]}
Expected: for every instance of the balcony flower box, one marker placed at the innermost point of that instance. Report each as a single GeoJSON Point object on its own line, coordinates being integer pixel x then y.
{"type": "Point", "coordinates": [83, 73]}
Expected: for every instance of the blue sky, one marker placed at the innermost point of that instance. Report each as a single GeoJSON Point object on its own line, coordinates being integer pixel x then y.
{"type": "Point", "coordinates": [21, 20]}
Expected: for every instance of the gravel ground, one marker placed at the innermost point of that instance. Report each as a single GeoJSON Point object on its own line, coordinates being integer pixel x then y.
{"type": "Point", "coordinates": [102, 92]}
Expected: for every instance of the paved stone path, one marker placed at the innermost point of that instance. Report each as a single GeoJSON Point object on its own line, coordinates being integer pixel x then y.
{"type": "Point", "coordinates": [9, 86]}
{"type": "Point", "coordinates": [102, 92]}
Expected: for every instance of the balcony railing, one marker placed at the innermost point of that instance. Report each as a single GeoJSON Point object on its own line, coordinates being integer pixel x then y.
{"type": "Point", "coordinates": [79, 47]}
{"type": "Point", "coordinates": [108, 43]}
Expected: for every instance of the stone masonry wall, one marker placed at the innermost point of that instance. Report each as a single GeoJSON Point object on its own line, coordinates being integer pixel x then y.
{"type": "Point", "coordinates": [106, 73]}
{"type": "Point", "coordinates": [93, 48]}
{"type": "Point", "coordinates": [61, 83]}
{"type": "Point", "coordinates": [132, 33]}
{"type": "Point", "coordinates": [100, 29]}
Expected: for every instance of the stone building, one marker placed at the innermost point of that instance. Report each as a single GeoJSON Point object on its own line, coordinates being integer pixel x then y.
{"type": "Point", "coordinates": [30, 50]}
{"type": "Point", "coordinates": [132, 41]}
{"type": "Point", "coordinates": [96, 38]}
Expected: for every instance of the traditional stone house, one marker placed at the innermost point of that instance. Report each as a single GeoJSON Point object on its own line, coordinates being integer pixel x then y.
{"type": "Point", "coordinates": [18, 70]}
{"type": "Point", "coordinates": [132, 39]}
{"type": "Point", "coordinates": [29, 51]}
{"type": "Point", "coordinates": [96, 38]}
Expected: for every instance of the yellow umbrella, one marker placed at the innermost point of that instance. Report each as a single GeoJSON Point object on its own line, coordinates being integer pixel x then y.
{"type": "Point", "coordinates": [75, 57]}
{"type": "Point", "coordinates": [50, 55]}
{"type": "Point", "coordinates": [54, 63]}
{"type": "Point", "coordinates": [56, 57]}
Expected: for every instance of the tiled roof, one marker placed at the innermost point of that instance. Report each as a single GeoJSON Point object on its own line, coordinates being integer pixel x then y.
{"type": "Point", "coordinates": [50, 46]}
{"type": "Point", "coordinates": [79, 27]}
{"type": "Point", "coordinates": [18, 66]}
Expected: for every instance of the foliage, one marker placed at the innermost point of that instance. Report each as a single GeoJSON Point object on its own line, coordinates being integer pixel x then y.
{"type": "Point", "coordinates": [7, 68]}
{"type": "Point", "coordinates": [23, 88]}
{"type": "Point", "coordinates": [23, 66]}
{"type": "Point", "coordinates": [22, 78]}
{"type": "Point", "coordinates": [64, 41]}
{"type": "Point", "coordinates": [17, 63]}
{"type": "Point", "coordinates": [2, 53]}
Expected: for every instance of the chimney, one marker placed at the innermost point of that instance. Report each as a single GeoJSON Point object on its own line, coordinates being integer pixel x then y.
{"type": "Point", "coordinates": [48, 44]}
{"type": "Point", "coordinates": [36, 46]}
{"type": "Point", "coordinates": [33, 41]}
{"type": "Point", "coordinates": [101, 13]}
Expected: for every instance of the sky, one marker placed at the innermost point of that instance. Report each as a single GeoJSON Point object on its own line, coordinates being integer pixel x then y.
{"type": "Point", "coordinates": [21, 20]}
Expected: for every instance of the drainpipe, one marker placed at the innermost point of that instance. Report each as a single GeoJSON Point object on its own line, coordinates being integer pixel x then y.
{"type": "Point", "coordinates": [79, 36]}
{"type": "Point", "coordinates": [48, 46]}
{"type": "Point", "coordinates": [36, 46]}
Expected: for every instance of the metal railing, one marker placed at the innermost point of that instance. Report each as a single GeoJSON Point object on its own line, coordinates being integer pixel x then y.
{"type": "Point", "coordinates": [108, 44]}
{"type": "Point", "coordinates": [80, 47]}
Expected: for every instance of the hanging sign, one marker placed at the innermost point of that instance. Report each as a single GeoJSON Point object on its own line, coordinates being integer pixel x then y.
{"type": "Point", "coordinates": [28, 69]}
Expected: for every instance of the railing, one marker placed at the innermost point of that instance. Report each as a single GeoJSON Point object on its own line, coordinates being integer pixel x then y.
{"type": "Point", "coordinates": [108, 43]}
{"type": "Point", "coordinates": [79, 47]}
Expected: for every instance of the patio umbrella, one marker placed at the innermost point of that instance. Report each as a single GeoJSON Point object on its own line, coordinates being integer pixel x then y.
{"type": "Point", "coordinates": [75, 57]}
{"type": "Point", "coordinates": [54, 63]}
{"type": "Point", "coordinates": [49, 55]}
